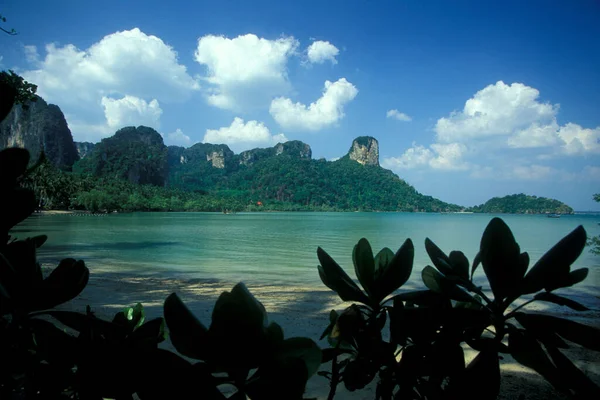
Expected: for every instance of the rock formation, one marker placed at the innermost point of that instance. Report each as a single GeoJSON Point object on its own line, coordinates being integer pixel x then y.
{"type": "Point", "coordinates": [40, 127]}
{"type": "Point", "coordinates": [84, 148]}
{"type": "Point", "coordinates": [365, 150]}
{"type": "Point", "coordinates": [135, 154]}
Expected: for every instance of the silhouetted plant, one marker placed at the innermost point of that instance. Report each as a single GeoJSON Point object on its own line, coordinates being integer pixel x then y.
{"type": "Point", "coordinates": [119, 358]}
{"type": "Point", "coordinates": [422, 356]}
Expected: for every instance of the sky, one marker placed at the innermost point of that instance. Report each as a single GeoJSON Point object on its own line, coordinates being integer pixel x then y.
{"type": "Point", "coordinates": [468, 99]}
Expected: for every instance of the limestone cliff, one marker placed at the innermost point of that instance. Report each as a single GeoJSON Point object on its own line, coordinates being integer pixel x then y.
{"type": "Point", "coordinates": [293, 148]}
{"type": "Point", "coordinates": [216, 155]}
{"type": "Point", "coordinates": [84, 148]}
{"type": "Point", "coordinates": [40, 127]}
{"type": "Point", "coordinates": [365, 150]}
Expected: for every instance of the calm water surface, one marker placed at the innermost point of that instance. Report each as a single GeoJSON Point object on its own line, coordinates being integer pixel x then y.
{"type": "Point", "coordinates": [278, 247]}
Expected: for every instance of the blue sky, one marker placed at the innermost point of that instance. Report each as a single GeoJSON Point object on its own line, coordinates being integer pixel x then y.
{"type": "Point", "coordinates": [468, 99]}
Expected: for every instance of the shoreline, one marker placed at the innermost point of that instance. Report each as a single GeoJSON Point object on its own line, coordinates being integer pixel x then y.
{"type": "Point", "coordinates": [303, 311]}
{"type": "Point", "coordinates": [86, 212]}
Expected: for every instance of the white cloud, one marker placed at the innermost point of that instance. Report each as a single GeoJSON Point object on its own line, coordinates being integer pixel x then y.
{"type": "Point", "coordinates": [242, 135]}
{"type": "Point", "coordinates": [515, 112]}
{"type": "Point", "coordinates": [498, 109]}
{"type": "Point", "coordinates": [320, 51]}
{"type": "Point", "coordinates": [578, 140]}
{"type": "Point", "coordinates": [398, 115]}
{"type": "Point", "coordinates": [244, 71]}
{"type": "Point", "coordinates": [131, 111]}
{"type": "Point", "coordinates": [123, 63]}
{"type": "Point", "coordinates": [437, 156]}
{"type": "Point", "coordinates": [177, 138]}
{"type": "Point", "coordinates": [327, 110]}
{"type": "Point", "coordinates": [535, 135]}
{"type": "Point", "coordinates": [127, 63]}
{"type": "Point", "coordinates": [31, 54]}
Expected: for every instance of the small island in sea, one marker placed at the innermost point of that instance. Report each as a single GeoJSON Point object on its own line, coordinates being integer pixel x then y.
{"type": "Point", "coordinates": [522, 204]}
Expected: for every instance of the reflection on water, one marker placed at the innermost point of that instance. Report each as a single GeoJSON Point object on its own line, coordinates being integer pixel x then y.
{"type": "Point", "coordinates": [278, 247]}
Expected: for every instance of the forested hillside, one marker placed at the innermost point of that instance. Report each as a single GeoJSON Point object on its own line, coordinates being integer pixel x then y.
{"type": "Point", "coordinates": [523, 204]}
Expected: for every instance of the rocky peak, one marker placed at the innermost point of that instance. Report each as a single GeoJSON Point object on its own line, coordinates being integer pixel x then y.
{"type": "Point", "coordinates": [144, 134]}
{"type": "Point", "coordinates": [294, 148]}
{"type": "Point", "coordinates": [39, 127]}
{"type": "Point", "coordinates": [365, 150]}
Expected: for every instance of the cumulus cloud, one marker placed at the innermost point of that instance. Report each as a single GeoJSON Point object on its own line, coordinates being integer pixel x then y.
{"type": "Point", "coordinates": [400, 116]}
{"type": "Point", "coordinates": [122, 65]}
{"type": "Point", "coordinates": [498, 109]}
{"type": "Point", "coordinates": [177, 138]}
{"type": "Point", "coordinates": [321, 51]}
{"type": "Point", "coordinates": [437, 156]}
{"type": "Point", "coordinates": [515, 112]}
{"type": "Point", "coordinates": [242, 135]}
{"type": "Point", "coordinates": [327, 110]}
{"type": "Point", "coordinates": [504, 122]}
{"type": "Point", "coordinates": [245, 71]}
{"type": "Point", "coordinates": [130, 111]}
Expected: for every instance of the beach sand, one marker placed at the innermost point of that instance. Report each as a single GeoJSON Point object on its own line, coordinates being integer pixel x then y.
{"type": "Point", "coordinates": [303, 311]}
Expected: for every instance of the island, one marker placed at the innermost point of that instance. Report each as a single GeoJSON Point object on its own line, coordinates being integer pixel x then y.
{"type": "Point", "coordinates": [522, 204]}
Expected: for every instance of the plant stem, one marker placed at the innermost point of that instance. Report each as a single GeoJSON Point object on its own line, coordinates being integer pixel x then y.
{"type": "Point", "coordinates": [510, 314]}
{"type": "Point", "coordinates": [334, 375]}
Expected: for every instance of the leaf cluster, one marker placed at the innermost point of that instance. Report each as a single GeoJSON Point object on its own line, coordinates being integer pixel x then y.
{"type": "Point", "coordinates": [414, 341]}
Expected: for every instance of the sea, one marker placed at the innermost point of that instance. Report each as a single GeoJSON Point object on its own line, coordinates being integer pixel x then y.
{"type": "Point", "coordinates": [277, 247]}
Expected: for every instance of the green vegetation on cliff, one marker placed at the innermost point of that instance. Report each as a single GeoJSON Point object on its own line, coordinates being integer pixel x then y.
{"type": "Point", "coordinates": [137, 155]}
{"type": "Point", "coordinates": [523, 204]}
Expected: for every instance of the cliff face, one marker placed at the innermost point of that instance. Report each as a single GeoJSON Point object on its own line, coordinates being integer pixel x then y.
{"type": "Point", "coordinates": [40, 127]}
{"type": "Point", "coordinates": [135, 154]}
{"type": "Point", "coordinates": [217, 155]}
{"type": "Point", "coordinates": [365, 150]}
{"type": "Point", "coordinates": [293, 148]}
{"type": "Point", "coordinates": [84, 148]}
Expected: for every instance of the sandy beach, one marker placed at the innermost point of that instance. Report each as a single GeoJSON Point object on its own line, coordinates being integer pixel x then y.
{"type": "Point", "coordinates": [303, 311]}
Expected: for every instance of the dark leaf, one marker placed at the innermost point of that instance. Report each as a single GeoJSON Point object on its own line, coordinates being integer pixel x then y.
{"type": "Point", "coordinates": [397, 272]}
{"type": "Point", "coordinates": [561, 301]}
{"type": "Point", "coordinates": [335, 278]}
{"type": "Point", "coordinates": [572, 376]}
{"type": "Point", "coordinates": [64, 283]}
{"type": "Point", "coordinates": [527, 351]}
{"type": "Point", "coordinates": [13, 163]}
{"type": "Point", "coordinates": [364, 265]}
{"type": "Point", "coordinates": [480, 380]}
{"type": "Point", "coordinates": [573, 278]}
{"type": "Point", "coordinates": [438, 283]}
{"type": "Point", "coordinates": [554, 266]}
{"type": "Point", "coordinates": [153, 331]}
{"type": "Point", "coordinates": [436, 255]}
{"type": "Point", "coordinates": [476, 262]}
{"type": "Point", "coordinates": [499, 254]}
{"type": "Point", "coordinates": [187, 334]}
{"type": "Point", "coordinates": [541, 333]}
{"type": "Point", "coordinates": [583, 335]}
{"type": "Point", "coordinates": [21, 203]}
{"type": "Point", "coordinates": [460, 264]}
{"type": "Point", "coordinates": [422, 298]}
{"type": "Point", "coordinates": [304, 349]}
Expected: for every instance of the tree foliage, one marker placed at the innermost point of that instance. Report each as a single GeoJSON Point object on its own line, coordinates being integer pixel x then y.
{"type": "Point", "coordinates": [15, 90]}
{"type": "Point", "coordinates": [523, 204]}
{"type": "Point", "coordinates": [423, 357]}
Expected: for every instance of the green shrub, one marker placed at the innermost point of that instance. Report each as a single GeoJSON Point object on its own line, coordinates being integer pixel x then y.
{"type": "Point", "coordinates": [423, 357]}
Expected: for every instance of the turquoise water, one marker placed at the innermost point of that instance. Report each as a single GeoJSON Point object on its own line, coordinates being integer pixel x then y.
{"type": "Point", "coordinates": [277, 247]}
